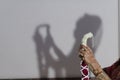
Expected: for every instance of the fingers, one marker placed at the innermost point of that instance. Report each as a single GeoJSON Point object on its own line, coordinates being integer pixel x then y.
{"type": "Point", "coordinates": [85, 50]}
{"type": "Point", "coordinates": [85, 47]}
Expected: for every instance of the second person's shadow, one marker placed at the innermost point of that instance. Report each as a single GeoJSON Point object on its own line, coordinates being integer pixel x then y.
{"type": "Point", "coordinates": [43, 47]}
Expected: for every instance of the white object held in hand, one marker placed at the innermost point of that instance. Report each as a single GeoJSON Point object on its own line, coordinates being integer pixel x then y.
{"type": "Point", "coordinates": [86, 37]}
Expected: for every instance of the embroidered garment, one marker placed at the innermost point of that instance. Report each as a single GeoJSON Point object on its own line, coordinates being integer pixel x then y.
{"type": "Point", "coordinates": [84, 71]}
{"type": "Point", "coordinates": [113, 71]}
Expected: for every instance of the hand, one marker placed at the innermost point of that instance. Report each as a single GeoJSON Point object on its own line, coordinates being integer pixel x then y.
{"type": "Point", "coordinates": [86, 53]}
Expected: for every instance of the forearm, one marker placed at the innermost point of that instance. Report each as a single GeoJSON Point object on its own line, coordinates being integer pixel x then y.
{"type": "Point", "coordinates": [102, 76]}
{"type": "Point", "coordinates": [98, 72]}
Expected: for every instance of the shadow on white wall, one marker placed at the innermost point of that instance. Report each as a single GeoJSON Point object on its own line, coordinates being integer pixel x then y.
{"type": "Point", "coordinates": [65, 66]}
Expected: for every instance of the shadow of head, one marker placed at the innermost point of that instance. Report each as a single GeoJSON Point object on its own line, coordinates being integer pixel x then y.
{"type": "Point", "coordinates": [89, 23]}
{"type": "Point", "coordinates": [41, 27]}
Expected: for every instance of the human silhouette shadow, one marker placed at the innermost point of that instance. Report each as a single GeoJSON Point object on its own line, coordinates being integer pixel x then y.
{"type": "Point", "coordinates": [45, 58]}
{"type": "Point", "coordinates": [70, 63]}
{"type": "Point", "coordinates": [85, 24]}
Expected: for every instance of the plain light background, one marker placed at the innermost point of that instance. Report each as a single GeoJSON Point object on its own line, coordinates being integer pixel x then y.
{"type": "Point", "coordinates": [20, 18]}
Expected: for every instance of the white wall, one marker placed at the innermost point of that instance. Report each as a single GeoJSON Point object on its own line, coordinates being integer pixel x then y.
{"type": "Point", "coordinates": [118, 25]}
{"type": "Point", "coordinates": [28, 53]}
